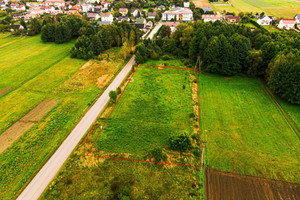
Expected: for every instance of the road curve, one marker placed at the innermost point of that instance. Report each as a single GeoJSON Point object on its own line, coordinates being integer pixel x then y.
{"type": "Point", "coordinates": [155, 29]}
{"type": "Point", "coordinates": [42, 179]}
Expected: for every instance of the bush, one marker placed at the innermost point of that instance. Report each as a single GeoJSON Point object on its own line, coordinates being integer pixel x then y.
{"type": "Point", "coordinates": [118, 90]}
{"type": "Point", "coordinates": [180, 142]}
{"type": "Point", "coordinates": [196, 151]}
{"type": "Point", "coordinates": [165, 57]}
{"type": "Point", "coordinates": [113, 96]}
{"type": "Point", "coordinates": [192, 115]}
{"type": "Point", "coordinates": [158, 155]}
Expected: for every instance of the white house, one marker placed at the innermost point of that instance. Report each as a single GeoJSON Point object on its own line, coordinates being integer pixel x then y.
{"type": "Point", "coordinates": [186, 4]}
{"type": "Point", "coordinates": [287, 23]}
{"type": "Point", "coordinates": [56, 3]}
{"type": "Point", "coordinates": [265, 20]}
{"type": "Point", "coordinates": [87, 7]}
{"type": "Point", "coordinates": [135, 12]}
{"type": "Point", "coordinates": [20, 7]}
{"type": "Point", "coordinates": [106, 5]}
{"type": "Point", "coordinates": [297, 17]}
{"type": "Point", "coordinates": [212, 18]}
{"type": "Point", "coordinates": [179, 14]}
{"type": "Point", "coordinates": [107, 17]}
{"type": "Point", "coordinates": [49, 9]}
{"type": "Point", "coordinates": [151, 15]}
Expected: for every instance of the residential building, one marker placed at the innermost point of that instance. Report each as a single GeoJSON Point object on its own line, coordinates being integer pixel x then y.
{"type": "Point", "coordinates": [87, 7]}
{"type": "Point", "coordinates": [56, 3]}
{"type": "Point", "coordinates": [107, 17]}
{"type": "Point", "coordinates": [287, 24]}
{"type": "Point", "coordinates": [136, 12]}
{"type": "Point", "coordinates": [93, 16]}
{"type": "Point", "coordinates": [49, 9]}
{"type": "Point", "coordinates": [98, 9]}
{"type": "Point", "coordinates": [140, 23]}
{"type": "Point", "coordinates": [30, 15]}
{"type": "Point", "coordinates": [178, 14]}
{"type": "Point", "coordinates": [230, 19]}
{"type": "Point", "coordinates": [186, 4]}
{"type": "Point", "coordinates": [20, 7]}
{"type": "Point", "coordinates": [123, 11]}
{"type": "Point", "coordinates": [151, 15]}
{"type": "Point", "coordinates": [212, 18]}
{"type": "Point", "coordinates": [161, 7]}
{"type": "Point", "coordinates": [265, 20]}
{"type": "Point", "coordinates": [172, 25]}
{"type": "Point", "coordinates": [106, 6]}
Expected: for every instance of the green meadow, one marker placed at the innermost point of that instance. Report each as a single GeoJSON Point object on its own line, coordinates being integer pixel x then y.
{"type": "Point", "coordinates": [277, 8]}
{"type": "Point", "coordinates": [154, 106]}
{"type": "Point", "coordinates": [35, 71]}
{"type": "Point", "coordinates": [244, 131]}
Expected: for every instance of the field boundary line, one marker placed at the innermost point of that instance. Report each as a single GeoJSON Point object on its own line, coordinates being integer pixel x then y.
{"type": "Point", "coordinates": [118, 158]}
{"type": "Point", "coordinates": [281, 110]}
{"type": "Point", "coordinates": [8, 43]}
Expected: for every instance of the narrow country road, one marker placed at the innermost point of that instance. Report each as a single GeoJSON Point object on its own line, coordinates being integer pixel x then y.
{"type": "Point", "coordinates": [49, 170]}
{"type": "Point", "coordinates": [156, 28]}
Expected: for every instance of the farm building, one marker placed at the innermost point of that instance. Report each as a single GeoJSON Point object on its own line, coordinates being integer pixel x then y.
{"type": "Point", "coordinates": [287, 24]}
{"type": "Point", "coordinates": [265, 20]}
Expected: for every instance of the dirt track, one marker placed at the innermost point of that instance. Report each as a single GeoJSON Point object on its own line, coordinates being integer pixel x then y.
{"type": "Point", "coordinates": [225, 185]}
{"type": "Point", "coordinates": [14, 132]}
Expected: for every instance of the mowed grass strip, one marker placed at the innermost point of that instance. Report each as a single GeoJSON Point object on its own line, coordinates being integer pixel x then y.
{"type": "Point", "coordinates": [153, 107]}
{"type": "Point", "coordinates": [245, 132]}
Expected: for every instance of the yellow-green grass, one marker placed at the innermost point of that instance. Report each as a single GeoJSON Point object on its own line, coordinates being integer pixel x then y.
{"type": "Point", "coordinates": [278, 8]}
{"type": "Point", "coordinates": [245, 132]}
{"type": "Point", "coordinates": [5, 38]}
{"type": "Point", "coordinates": [37, 71]}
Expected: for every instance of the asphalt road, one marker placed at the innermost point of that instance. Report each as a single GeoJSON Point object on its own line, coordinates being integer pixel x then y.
{"type": "Point", "coordinates": [51, 168]}
{"type": "Point", "coordinates": [154, 30]}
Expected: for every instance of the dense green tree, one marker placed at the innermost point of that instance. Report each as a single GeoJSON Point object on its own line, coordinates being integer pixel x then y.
{"type": "Point", "coordinates": [62, 33]}
{"type": "Point", "coordinates": [284, 76]}
{"type": "Point", "coordinates": [48, 33]}
{"type": "Point", "coordinates": [254, 62]}
{"type": "Point", "coordinates": [165, 31]}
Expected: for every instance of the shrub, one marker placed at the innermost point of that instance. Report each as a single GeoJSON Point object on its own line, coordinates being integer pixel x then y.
{"type": "Point", "coordinates": [180, 142]}
{"type": "Point", "coordinates": [192, 115]}
{"type": "Point", "coordinates": [118, 90]}
{"type": "Point", "coordinates": [113, 96]}
{"type": "Point", "coordinates": [196, 151]}
{"type": "Point", "coordinates": [158, 155]}
{"type": "Point", "coordinates": [165, 57]}
{"type": "Point", "coordinates": [183, 87]}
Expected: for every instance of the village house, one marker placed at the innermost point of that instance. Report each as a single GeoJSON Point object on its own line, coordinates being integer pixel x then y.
{"type": "Point", "coordinates": [93, 16]}
{"type": "Point", "coordinates": [87, 7]}
{"type": "Point", "coordinates": [3, 6]}
{"type": "Point", "coordinates": [30, 15]}
{"type": "Point", "coordinates": [287, 24]}
{"type": "Point", "coordinates": [49, 9]}
{"type": "Point", "coordinates": [186, 4]}
{"type": "Point", "coordinates": [106, 6]}
{"type": "Point", "coordinates": [151, 15]}
{"type": "Point", "coordinates": [98, 9]}
{"type": "Point", "coordinates": [161, 7]}
{"type": "Point", "coordinates": [107, 17]}
{"type": "Point", "coordinates": [212, 18]}
{"type": "Point", "coordinates": [172, 25]}
{"type": "Point", "coordinates": [120, 19]}
{"type": "Point", "coordinates": [56, 3]}
{"type": "Point", "coordinates": [140, 23]}
{"type": "Point", "coordinates": [123, 11]}
{"type": "Point", "coordinates": [136, 12]}
{"type": "Point", "coordinates": [265, 20]}
{"type": "Point", "coordinates": [13, 6]}
{"type": "Point", "coordinates": [230, 19]}
{"type": "Point", "coordinates": [297, 17]}
{"type": "Point", "coordinates": [76, 7]}
{"type": "Point", "coordinates": [178, 14]}
{"type": "Point", "coordinates": [36, 10]}
{"type": "Point", "coordinates": [20, 7]}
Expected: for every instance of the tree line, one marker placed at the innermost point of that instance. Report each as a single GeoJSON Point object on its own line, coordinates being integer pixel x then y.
{"type": "Point", "coordinates": [233, 49]}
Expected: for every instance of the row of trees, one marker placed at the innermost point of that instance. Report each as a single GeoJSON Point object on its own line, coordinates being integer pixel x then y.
{"type": "Point", "coordinates": [233, 49]}
{"type": "Point", "coordinates": [93, 43]}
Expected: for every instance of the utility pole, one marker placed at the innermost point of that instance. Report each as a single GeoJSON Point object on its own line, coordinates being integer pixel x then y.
{"type": "Point", "coordinates": [202, 154]}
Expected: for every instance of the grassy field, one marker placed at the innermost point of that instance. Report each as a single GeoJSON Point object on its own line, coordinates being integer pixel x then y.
{"type": "Point", "coordinates": [145, 117]}
{"type": "Point", "coordinates": [245, 132]}
{"type": "Point", "coordinates": [141, 121]}
{"type": "Point", "coordinates": [277, 8]}
{"type": "Point", "coordinates": [36, 71]}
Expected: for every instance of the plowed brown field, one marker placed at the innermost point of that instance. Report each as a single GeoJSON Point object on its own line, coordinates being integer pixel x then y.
{"type": "Point", "coordinates": [201, 3]}
{"type": "Point", "coordinates": [225, 185]}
